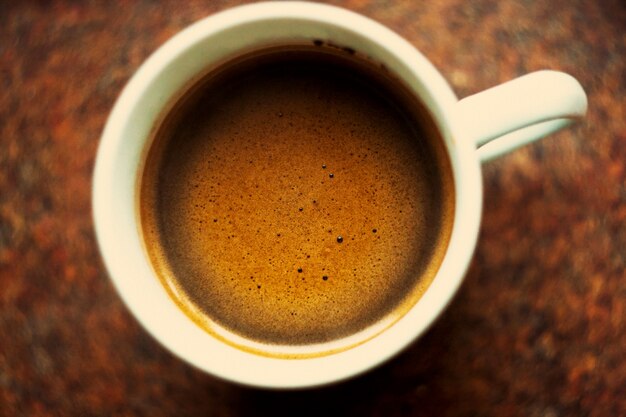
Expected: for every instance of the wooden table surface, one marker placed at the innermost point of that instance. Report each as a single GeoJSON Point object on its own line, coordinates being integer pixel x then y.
{"type": "Point", "coordinates": [538, 328]}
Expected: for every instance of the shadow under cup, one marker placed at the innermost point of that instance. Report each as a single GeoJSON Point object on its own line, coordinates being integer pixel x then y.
{"type": "Point", "coordinates": [296, 201]}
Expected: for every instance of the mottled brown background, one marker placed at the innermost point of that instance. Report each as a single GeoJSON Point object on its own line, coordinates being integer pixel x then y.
{"type": "Point", "coordinates": [538, 328]}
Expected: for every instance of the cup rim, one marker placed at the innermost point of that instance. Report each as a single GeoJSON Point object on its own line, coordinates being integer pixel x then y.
{"type": "Point", "coordinates": [235, 365]}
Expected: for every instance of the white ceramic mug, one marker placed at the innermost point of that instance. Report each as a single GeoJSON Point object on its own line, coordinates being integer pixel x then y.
{"type": "Point", "coordinates": [474, 129]}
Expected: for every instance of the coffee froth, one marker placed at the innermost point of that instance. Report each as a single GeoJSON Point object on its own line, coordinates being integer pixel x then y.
{"type": "Point", "coordinates": [294, 197]}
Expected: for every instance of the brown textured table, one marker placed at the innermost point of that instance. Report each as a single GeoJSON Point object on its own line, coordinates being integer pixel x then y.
{"type": "Point", "coordinates": [538, 328]}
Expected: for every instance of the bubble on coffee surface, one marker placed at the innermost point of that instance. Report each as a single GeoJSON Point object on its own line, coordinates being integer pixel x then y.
{"type": "Point", "coordinates": [266, 263]}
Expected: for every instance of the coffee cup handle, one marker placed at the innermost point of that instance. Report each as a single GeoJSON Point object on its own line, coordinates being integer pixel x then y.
{"type": "Point", "coordinates": [505, 117]}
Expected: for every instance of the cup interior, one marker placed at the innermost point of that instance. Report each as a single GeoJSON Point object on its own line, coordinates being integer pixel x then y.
{"type": "Point", "coordinates": [162, 79]}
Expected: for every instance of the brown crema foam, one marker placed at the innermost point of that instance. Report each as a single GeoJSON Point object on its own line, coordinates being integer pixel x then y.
{"type": "Point", "coordinates": [296, 196]}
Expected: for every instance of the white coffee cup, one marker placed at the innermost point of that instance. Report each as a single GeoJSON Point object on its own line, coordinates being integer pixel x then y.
{"type": "Point", "coordinates": [476, 128]}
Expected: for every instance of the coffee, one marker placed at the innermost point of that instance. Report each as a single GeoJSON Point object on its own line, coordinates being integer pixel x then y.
{"type": "Point", "coordinates": [295, 197]}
